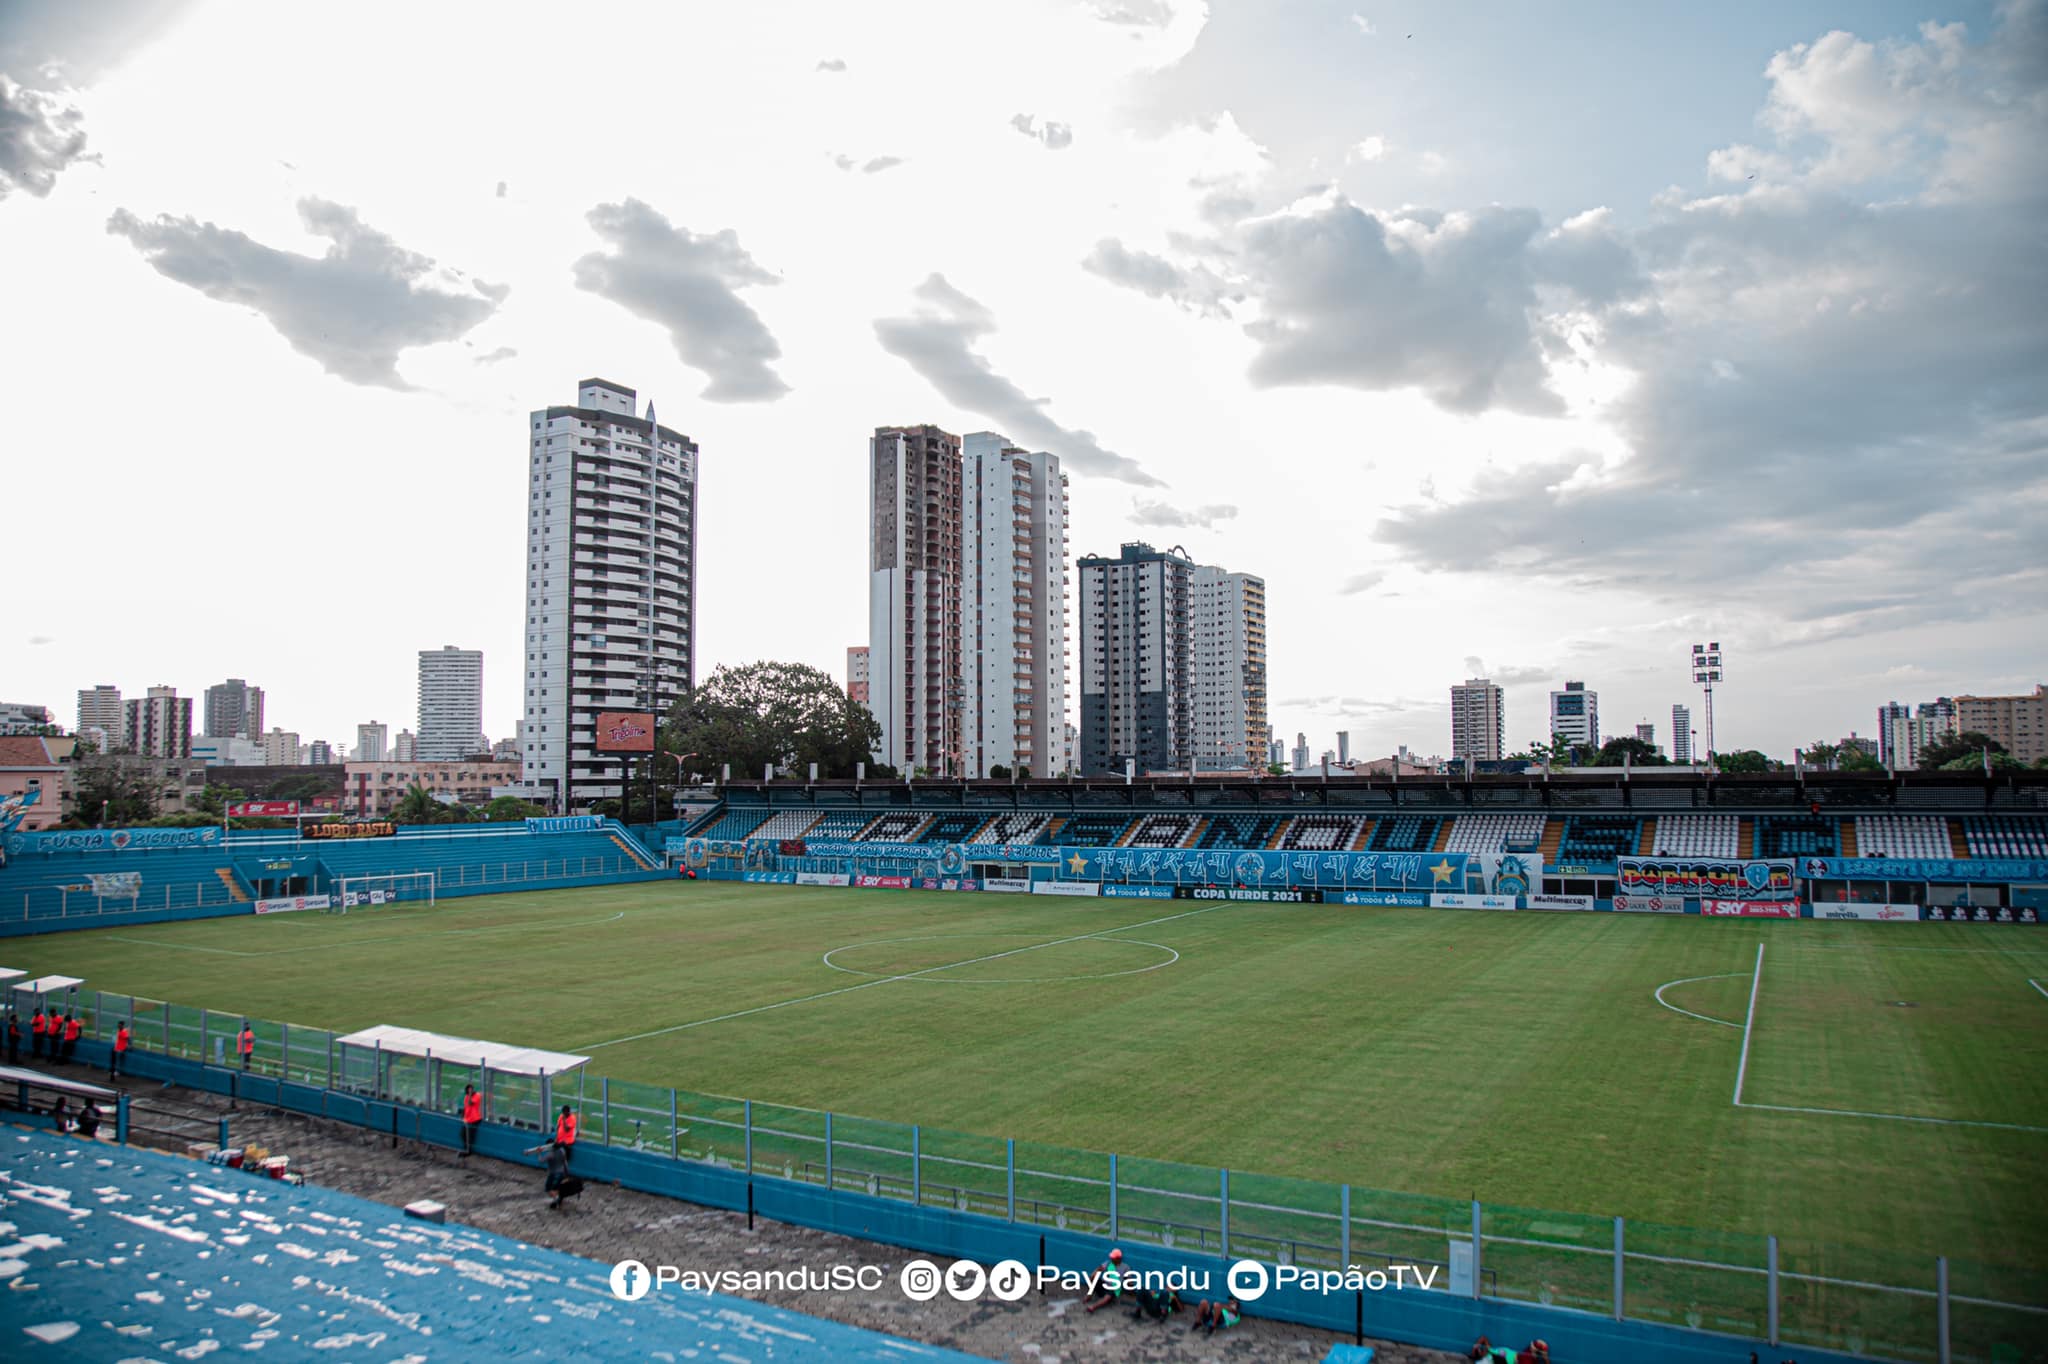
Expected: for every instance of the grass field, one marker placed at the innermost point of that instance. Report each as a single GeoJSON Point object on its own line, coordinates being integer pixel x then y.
{"type": "Point", "coordinates": [1526, 1060]}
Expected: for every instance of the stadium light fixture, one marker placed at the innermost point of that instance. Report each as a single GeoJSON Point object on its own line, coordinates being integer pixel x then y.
{"type": "Point", "coordinates": [1706, 671]}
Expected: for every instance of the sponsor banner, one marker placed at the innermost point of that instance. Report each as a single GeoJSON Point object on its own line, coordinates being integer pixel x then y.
{"type": "Point", "coordinates": [1458, 873]}
{"type": "Point", "coordinates": [624, 731]}
{"type": "Point", "coordinates": [1752, 909]}
{"type": "Point", "coordinates": [382, 828]}
{"type": "Point", "coordinates": [116, 882]}
{"type": "Point", "coordinates": [263, 809]}
{"type": "Point", "coordinates": [770, 878]}
{"type": "Point", "coordinates": [350, 899]}
{"type": "Point", "coordinates": [1140, 892]}
{"type": "Point", "coordinates": [1571, 869]}
{"type": "Point", "coordinates": [698, 852]}
{"type": "Point", "coordinates": [947, 883]}
{"type": "Point", "coordinates": [1472, 901]}
{"type": "Point", "coordinates": [1411, 898]}
{"type": "Point", "coordinates": [823, 878]}
{"type": "Point", "coordinates": [883, 882]}
{"type": "Point", "coordinates": [111, 840]}
{"type": "Point", "coordinates": [1924, 869]}
{"type": "Point", "coordinates": [1561, 902]}
{"type": "Point", "coordinates": [563, 824]}
{"type": "Point", "coordinates": [1981, 914]}
{"type": "Point", "coordinates": [1708, 877]}
{"type": "Point", "coordinates": [290, 903]}
{"type": "Point", "coordinates": [1009, 885]}
{"type": "Point", "coordinates": [1065, 888]}
{"type": "Point", "coordinates": [1016, 854]}
{"type": "Point", "coordinates": [1649, 904]}
{"type": "Point", "coordinates": [1886, 914]}
{"type": "Point", "coordinates": [1256, 894]}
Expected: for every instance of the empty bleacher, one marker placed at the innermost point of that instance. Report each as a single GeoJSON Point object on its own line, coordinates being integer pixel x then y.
{"type": "Point", "coordinates": [895, 827]}
{"type": "Point", "coordinates": [1161, 831]}
{"type": "Point", "coordinates": [1321, 833]}
{"type": "Point", "coordinates": [1022, 827]}
{"type": "Point", "coordinates": [1406, 833]}
{"type": "Point", "coordinates": [1496, 833]}
{"type": "Point", "coordinates": [1902, 836]}
{"type": "Point", "coordinates": [838, 824]}
{"type": "Point", "coordinates": [786, 824]}
{"type": "Point", "coordinates": [171, 878]}
{"type": "Point", "coordinates": [735, 825]}
{"type": "Point", "coordinates": [1093, 831]}
{"type": "Point", "coordinates": [1797, 836]}
{"type": "Point", "coordinates": [1697, 836]}
{"type": "Point", "coordinates": [2007, 836]}
{"type": "Point", "coordinates": [1599, 838]}
{"type": "Point", "coordinates": [953, 828]}
{"type": "Point", "coordinates": [1238, 831]}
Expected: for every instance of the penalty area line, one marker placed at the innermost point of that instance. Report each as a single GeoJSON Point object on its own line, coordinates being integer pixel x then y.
{"type": "Point", "coordinates": [890, 980]}
{"type": "Point", "coordinates": [2037, 985]}
{"type": "Point", "coordinates": [1749, 1023]}
{"type": "Point", "coordinates": [1895, 1117]}
{"type": "Point", "coordinates": [1704, 1018]}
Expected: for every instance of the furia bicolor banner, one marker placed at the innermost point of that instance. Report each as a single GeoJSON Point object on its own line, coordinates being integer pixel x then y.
{"type": "Point", "coordinates": [112, 840]}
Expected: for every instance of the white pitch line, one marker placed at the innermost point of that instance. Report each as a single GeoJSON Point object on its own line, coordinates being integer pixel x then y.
{"type": "Point", "coordinates": [1688, 1012]}
{"type": "Point", "coordinates": [1749, 1023]}
{"type": "Point", "coordinates": [2037, 985]}
{"type": "Point", "coordinates": [1896, 1117]}
{"type": "Point", "coordinates": [890, 980]}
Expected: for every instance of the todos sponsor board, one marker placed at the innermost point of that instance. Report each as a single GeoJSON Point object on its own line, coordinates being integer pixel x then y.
{"type": "Point", "coordinates": [770, 878]}
{"type": "Point", "coordinates": [1982, 914]}
{"type": "Point", "coordinates": [1009, 885]}
{"type": "Point", "coordinates": [1472, 901]}
{"type": "Point", "coordinates": [1137, 892]}
{"type": "Point", "coordinates": [884, 882]}
{"type": "Point", "coordinates": [289, 903]}
{"type": "Point", "coordinates": [1752, 909]}
{"type": "Point", "coordinates": [1884, 914]}
{"type": "Point", "coordinates": [823, 878]}
{"type": "Point", "coordinates": [1561, 902]}
{"type": "Point", "coordinates": [1649, 904]}
{"type": "Point", "coordinates": [1413, 899]}
{"type": "Point", "coordinates": [1066, 888]}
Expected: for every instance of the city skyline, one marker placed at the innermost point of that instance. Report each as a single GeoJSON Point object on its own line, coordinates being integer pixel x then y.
{"type": "Point", "coordinates": [1494, 472]}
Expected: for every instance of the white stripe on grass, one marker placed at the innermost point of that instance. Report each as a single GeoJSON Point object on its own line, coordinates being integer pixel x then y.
{"type": "Point", "coordinates": [1704, 1018]}
{"type": "Point", "coordinates": [1749, 1024]}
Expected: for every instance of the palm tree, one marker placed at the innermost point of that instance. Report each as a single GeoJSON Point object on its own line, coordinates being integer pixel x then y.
{"type": "Point", "coordinates": [418, 806]}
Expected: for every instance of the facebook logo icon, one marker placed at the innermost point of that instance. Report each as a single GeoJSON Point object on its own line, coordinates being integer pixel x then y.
{"type": "Point", "coordinates": [630, 1281]}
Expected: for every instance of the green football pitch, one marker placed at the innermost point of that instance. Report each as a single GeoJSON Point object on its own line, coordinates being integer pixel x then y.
{"type": "Point", "coordinates": [1894, 1078]}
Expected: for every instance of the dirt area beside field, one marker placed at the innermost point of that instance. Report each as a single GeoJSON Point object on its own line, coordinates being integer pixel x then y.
{"type": "Point", "coordinates": [606, 1224]}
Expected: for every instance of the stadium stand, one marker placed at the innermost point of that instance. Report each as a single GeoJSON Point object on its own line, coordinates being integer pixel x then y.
{"type": "Point", "coordinates": [895, 827]}
{"type": "Point", "coordinates": [786, 824]}
{"type": "Point", "coordinates": [838, 824]}
{"type": "Point", "coordinates": [1797, 836]}
{"type": "Point", "coordinates": [735, 824]}
{"type": "Point", "coordinates": [1496, 833]}
{"type": "Point", "coordinates": [1093, 831]}
{"type": "Point", "coordinates": [1406, 833]}
{"type": "Point", "coordinates": [1907, 836]}
{"type": "Point", "coordinates": [1697, 836]}
{"type": "Point", "coordinates": [1238, 831]}
{"type": "Point", "coordinates": [387, 1285]}
{"type": "Point", "coordinates": [172, 878]}
{"type": "Point", "coordinates": [2007, 836]}
{"type": "Point", "coordinates": [954, 828]}
{"type": "Point", "coordinates": [1161, 831]}
{"type": "Point", "coordinates": [1026, 827]}
{"type": "Point", "coordinates": [1599, 838]}
{"type": "Point", "coordinates": [1321, 833]}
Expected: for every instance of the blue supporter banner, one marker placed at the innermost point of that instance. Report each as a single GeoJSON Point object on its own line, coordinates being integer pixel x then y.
{"type": "Point", "coordinates": [1925, 869]}
{"type": "Point", "coordinates": [1025, 854]}
{"type": "Point", "coordinates": [1712, 878]}
{"type": "Point", "coordinates": [112, 840]}
{"type": "Point", "coordinates": [564, 824]}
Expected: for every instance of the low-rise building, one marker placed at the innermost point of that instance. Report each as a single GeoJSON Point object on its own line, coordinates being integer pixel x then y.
{"type": "Point", "coordinates": [377, 788]}
{"type": "Point", "coordinates": [27, 764]}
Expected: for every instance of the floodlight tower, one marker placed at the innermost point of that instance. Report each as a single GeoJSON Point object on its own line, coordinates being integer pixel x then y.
{"type": "Point", "coordinates": [1706, 670]}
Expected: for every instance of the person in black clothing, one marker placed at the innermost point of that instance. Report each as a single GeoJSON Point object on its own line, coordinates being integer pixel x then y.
{"type": "Point", "coordinates": [89, 1122]}
{"type": "Point", "coordinates": [560, 1182]}
{"type": "Point", "coordinates": [13, 1040]}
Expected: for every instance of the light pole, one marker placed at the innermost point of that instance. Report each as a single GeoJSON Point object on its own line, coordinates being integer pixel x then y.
{"type": "Point", "coordinates": [1706, 670]}
{"type": "Point", "coordinates": [662, 752]}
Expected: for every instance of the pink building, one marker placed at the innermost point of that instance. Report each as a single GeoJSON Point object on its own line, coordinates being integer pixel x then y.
{"type": "Point", "coordinates": [27, 764]}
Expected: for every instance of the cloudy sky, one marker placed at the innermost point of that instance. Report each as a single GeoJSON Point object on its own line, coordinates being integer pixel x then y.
{"type": "Point", "coordinates": [1532, 340]}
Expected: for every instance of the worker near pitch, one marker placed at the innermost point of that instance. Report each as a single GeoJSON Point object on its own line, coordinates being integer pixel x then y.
{"type": "Point", "coordinates": [247, 1044]}
{"type": "Point", "coordinates": [472, 1118]}
{"type": "Point", "coordinates": [565, 1133]}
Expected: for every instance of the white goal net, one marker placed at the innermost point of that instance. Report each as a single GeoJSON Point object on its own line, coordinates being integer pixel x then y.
{"type": "Point", "coordinates": [389, 888]}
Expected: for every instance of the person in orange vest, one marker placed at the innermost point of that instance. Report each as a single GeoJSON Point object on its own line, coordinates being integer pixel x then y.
{"type": "Point", "coordinates": [123, 1039]}
{"type": "Point", "coordinates": [37, 1027]}
{"type": "Point", "coordinates": [565, 1132]}
{"type": "Point", "coordinates": [72, 1028]}
{"type": "Point", "coordinates": [472, 1118]}
{"type": "Point", "coordinates": [247, 1044]}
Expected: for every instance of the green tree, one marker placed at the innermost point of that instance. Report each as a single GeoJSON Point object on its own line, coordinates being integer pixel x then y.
{"type": "Point", "coordinates": [1821, 753]}
{"type": "Point", "coordinates": [510, 809]}
{"type": "Point", "coordinates": [1976, 762]}
{"type": "Point", "coordinates": [998, 772]}
{"type": "Point", "coordinates": [1743, 760]}
{"type": "Point", "coordinates": [1633, 750]}
{"type": "Point", "coordinates": [1854, 759]}
{"type": "Point", "coordinates": [111, 792]}
{"type": "Point", "coordinates": [787, 714]}
{"type": "Point", "coordinates": [1275, 770]}
{"type": "Point", "coordinates": [418, 806]}
{"type": "Point", "coordinates": [1968, 744]}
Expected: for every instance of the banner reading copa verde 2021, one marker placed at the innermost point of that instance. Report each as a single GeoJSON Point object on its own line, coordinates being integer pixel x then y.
{"type": "Point", "coordinates": [1707, 878]}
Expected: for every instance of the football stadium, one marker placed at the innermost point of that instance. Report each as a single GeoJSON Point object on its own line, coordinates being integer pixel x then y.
{"type": "Point", "coordinates": [1647, 1065]}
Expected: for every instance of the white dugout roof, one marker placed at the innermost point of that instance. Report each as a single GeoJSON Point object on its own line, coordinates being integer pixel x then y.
{"type": "Point", "coordinates": [463, 1051]}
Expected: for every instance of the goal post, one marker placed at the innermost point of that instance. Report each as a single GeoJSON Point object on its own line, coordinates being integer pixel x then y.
{"type": "Point", "coordinates": [387, 888]}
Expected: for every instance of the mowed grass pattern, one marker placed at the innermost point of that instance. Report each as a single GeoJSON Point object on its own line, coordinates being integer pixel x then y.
{"type": "Point", "coordinates": [1518, 1058]}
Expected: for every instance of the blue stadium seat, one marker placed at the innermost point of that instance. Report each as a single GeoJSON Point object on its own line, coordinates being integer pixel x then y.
{"type": "Point", "coordinates": [1599, 838]}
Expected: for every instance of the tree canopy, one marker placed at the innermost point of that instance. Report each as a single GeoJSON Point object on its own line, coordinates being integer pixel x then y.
{"type": "Point", "coordinates": [787, 714]}
{"type": "Point", "coordinates": [1969, 744]}
{"type": "Point", "coordinates": [1636, 751]}
{"type": "Point", "coordinates": [1742, 761]}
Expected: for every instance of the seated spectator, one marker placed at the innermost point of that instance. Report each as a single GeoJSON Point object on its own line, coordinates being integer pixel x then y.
{"type": "Point", "coordinates": [1158, 1306]}
{"type": "Point", "coordinates": [1109, 1278]}
{"type": "Point", "coordinates": [60, 1115]}
{"type": "Point", "coordinates": [1226, 1314]}
{"type": "Point", "coordinates": [89, 1122]}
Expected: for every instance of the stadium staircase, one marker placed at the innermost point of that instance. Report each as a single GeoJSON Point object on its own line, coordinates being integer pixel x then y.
{"type": "Point", "coordinates": [1848, 838]}
{"type": "Point", "coordinates": [1443, 836]}
{"type": "Point", "coordinates": [1364, 839]}
{"type": "Point", "coordinates": [1959, 844]}
{"type": "Point", "coordinates": [639, 858]}
{"type": "Point", "coordinates": [1201, 829]}
{"type": "Point", "coordinates": [1279, 833]}
{"type": "Point", "coordinates": [1745, 840]}
{"type": "Point", "coordinates": [1647, 844]}
{"type": "Point", "coordinates": [1553, 834]}
{"type": "Point", "coordinates": [235, 891]}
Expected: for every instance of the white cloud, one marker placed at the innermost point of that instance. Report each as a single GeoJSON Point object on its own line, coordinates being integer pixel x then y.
{"type": "Point", "coordinates": [1363, 24]}
{"type": "Point", "coordinates": [1373, 148]}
